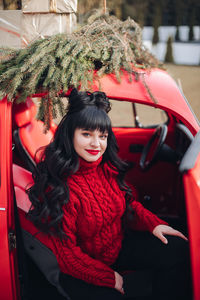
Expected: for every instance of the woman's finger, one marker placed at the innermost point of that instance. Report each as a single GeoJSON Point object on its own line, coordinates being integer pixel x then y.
{"type": "Point", "coordinates": [178, 233]}
{"type": "Point", "coordinates": [161, 230]}
{"type": "Point", "coordinates": [162, 238]}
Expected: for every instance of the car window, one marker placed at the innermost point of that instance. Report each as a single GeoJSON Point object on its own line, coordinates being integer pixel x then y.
{"type": "Point", "coordinates": [122, 114]}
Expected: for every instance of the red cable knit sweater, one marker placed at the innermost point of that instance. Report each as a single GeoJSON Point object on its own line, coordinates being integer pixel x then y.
{"type": "Point", "coordinates": [93, 222]}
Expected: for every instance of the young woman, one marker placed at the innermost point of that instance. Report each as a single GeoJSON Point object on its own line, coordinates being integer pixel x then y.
{"type": "Point", "coordinates": [79, 199]}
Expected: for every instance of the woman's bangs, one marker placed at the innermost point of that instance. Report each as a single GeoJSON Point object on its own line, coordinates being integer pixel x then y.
{"type": "Point", "coordinates": [92, 119]}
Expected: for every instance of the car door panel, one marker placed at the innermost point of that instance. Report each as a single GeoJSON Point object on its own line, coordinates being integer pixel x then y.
{"type": "Point", "coordinates": [158, 193]}
{"type": "Point", "coordinates": [190, 167]}
{"type": "Point", "coordinates": [8, 261]}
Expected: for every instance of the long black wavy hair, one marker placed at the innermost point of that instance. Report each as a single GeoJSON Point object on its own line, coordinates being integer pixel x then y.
{"type": "Point", "coordinates": [59, 160]}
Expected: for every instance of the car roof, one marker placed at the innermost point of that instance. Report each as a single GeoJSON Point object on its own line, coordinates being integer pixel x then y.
{"type": "Point", "coordinates": [154, 87]}
{"type": "Point", "coordinates": [164, 90]}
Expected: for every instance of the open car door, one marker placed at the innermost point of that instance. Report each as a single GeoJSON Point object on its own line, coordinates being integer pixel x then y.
{"type": "Point", "coordinates": [190, 167]}
{"type": "Point", "coordinates": [8, 275]}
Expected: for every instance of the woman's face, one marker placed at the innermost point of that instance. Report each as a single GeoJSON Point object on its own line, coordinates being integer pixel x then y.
{"type": "Point", "coordinates": [90, 145]}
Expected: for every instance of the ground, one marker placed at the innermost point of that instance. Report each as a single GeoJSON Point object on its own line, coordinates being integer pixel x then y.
{"type": "Point", "coordinates": [189, 78]}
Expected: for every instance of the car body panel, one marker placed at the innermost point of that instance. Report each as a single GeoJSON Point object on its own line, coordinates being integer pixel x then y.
{"type": "Point", "coordinates": [192, 191]}
{"type": "Point", "coordinates": [190, 167]}
{"type": "Point", "coordinates": [8, 278]}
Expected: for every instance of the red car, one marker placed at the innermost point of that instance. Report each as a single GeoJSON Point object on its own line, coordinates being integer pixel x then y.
{"type": "Point", "coordinates": [163, 151]}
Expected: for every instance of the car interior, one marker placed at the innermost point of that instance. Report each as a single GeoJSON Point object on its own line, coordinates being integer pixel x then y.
{"type": "Point", "coordinates": [153, 151]}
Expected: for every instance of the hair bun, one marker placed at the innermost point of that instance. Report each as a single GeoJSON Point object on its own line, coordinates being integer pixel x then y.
{"type": "Point", "coordinates": [79, 100]}
{"type": "Point", "coordinates": [101, 101]}
{"type": "Point", "coordinates": [75, 102]}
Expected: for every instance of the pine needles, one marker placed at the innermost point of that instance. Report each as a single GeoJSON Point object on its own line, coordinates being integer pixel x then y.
{"type": "Point", "coordinates": [59, 62]}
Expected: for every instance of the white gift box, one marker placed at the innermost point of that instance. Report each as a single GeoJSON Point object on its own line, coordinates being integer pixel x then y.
{"type": "Point", "coordinates": [10, 28]}
{"type": "Point", "coordinates": [49, 6]}
{"type": "Point", "coordinates": [35, 26]}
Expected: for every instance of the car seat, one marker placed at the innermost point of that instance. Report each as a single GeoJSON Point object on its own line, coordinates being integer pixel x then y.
{"type": "Point", "coordinates": [41, 255]}
{"type": "Point", "coordinates": [29, 133]}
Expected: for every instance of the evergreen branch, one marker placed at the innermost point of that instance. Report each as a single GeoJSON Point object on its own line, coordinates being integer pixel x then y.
{"type": "Point", "coordinates": [55, 64]}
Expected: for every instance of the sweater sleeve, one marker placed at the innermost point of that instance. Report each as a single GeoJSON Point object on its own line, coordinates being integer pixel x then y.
{"type": "Point", "coordinates": [73, 261]}
{"type": "Point", "coordinates": [143, 219]}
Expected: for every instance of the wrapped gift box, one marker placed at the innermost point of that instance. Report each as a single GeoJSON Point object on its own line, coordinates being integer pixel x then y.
{"type": "Point", "coordinates": [35, 26]}
{"type": "Point", "coordinates": [48, 6]}
{"type": "Point", "coordinates": [10, 28]}
{"type": "Point", "coordinates": [44, 18]}
{"type": "Point", "coordinates": [36, 20]}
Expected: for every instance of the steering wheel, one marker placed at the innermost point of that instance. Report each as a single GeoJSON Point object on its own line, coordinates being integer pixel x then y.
{"type": "Point", "coordinates": [152, 148]}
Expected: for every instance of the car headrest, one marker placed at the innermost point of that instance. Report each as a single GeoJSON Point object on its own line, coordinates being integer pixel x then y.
{"type": "Point", "coordinates": [24, 112]}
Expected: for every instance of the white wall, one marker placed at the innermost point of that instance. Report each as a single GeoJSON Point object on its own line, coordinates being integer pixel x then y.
{"type": "Point", "coordinates": [166, 31]}
{"type": "Point", "coordinates": [184, 52]}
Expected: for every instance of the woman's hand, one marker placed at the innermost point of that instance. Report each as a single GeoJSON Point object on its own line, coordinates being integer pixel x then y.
{"type": "Point", "coordinates": [160, 230]}
{"type": "Point", "coordinates": [119, 283]}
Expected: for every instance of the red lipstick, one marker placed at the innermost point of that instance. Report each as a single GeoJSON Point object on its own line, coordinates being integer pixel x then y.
{"type": "Point", "coordinates": [93, 152]}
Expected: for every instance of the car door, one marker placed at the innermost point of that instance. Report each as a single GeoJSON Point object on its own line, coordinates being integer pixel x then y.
{"type": "Point", "coordinates": [8, 257]}
{"type": "Point", "coordinates": [190, 168]}
{"type": "Point", "coordinates": [153, 184]}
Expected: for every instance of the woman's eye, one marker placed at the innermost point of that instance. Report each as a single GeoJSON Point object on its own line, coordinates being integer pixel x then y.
{"type": "Point", "coordinates": [104, 136]}
{"type": "Point", "coordinates": [86, 134]}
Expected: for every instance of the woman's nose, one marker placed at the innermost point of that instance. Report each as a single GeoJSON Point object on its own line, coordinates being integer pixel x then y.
{"type": "Point", "coordinates": [95, 142]}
